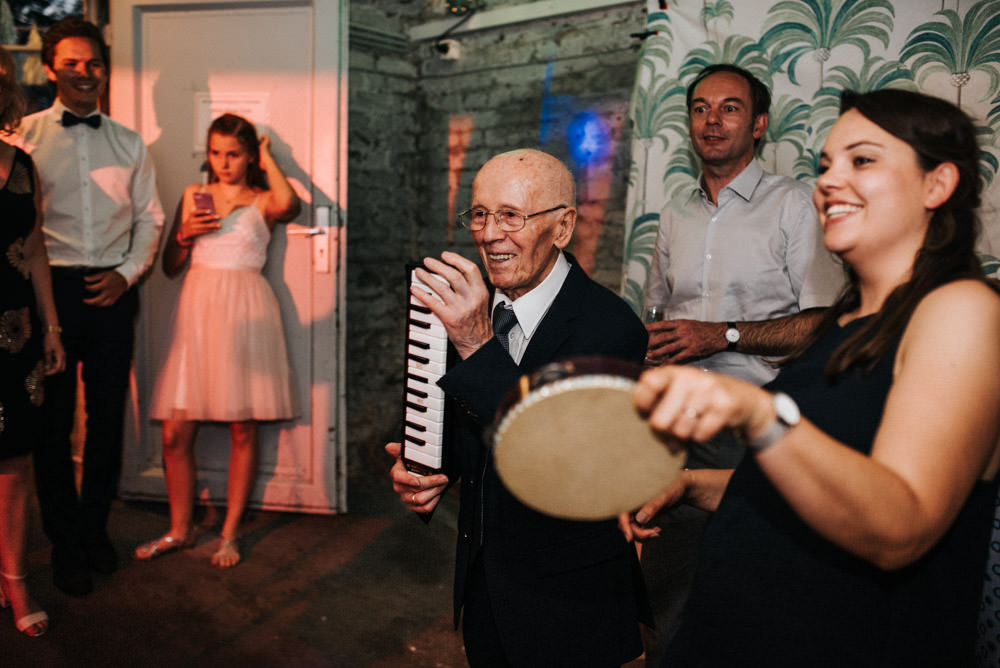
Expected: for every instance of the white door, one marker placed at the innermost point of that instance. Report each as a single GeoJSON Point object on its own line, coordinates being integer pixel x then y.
{"type": "Point", "coordinates": [174, 66]}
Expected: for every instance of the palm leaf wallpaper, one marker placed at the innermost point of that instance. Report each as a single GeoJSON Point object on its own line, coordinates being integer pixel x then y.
{"type": "Point", "coordinates": [807, 51]}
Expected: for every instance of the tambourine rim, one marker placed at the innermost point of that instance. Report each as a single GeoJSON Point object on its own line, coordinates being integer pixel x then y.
{"type": "Point", "coordinates": [571, 367]}
{"type": "Point", "coordinates": [586, 381]}
{"type": "Point", "coordinates": [515, 457]}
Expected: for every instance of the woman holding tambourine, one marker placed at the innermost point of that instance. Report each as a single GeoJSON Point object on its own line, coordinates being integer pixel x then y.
{"type": "Point", "coordinates": [855, 530]}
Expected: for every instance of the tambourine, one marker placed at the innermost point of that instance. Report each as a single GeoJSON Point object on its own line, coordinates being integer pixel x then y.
{"type": "Point", "coordinates": [569, 442]}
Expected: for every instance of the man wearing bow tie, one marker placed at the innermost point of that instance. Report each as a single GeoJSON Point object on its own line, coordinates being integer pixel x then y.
{"type": "Point", "coordinates": [102, 227]}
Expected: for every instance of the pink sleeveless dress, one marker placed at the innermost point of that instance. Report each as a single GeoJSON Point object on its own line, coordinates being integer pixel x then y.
{"type": "Point", "coordinates": [227, 360]}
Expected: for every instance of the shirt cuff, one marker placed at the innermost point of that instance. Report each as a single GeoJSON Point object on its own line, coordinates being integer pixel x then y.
{"type": "Point", "coordinates": [130, 271]}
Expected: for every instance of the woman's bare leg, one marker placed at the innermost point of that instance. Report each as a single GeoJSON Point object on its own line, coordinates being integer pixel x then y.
{"type": "Point", "coordinates": [243, 461]}
{"type": "Point", "coordinates": [15, 486]}
{"type": "Point", "coordinates": [179, 472]}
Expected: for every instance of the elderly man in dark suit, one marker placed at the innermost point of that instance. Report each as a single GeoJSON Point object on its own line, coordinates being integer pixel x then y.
{"type": "Point", "coordinates": [536, 590]}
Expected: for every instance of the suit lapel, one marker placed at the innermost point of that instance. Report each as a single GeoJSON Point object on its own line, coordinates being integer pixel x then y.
{"type": "Point", "coordinates": [556, 326]}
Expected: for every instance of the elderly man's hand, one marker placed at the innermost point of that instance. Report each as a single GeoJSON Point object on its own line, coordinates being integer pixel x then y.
{"type": "Point", "coordinates": [420, 494]}
{"type": "Point", "coordinates": [634, 525]}
{"type": "Point", "coordinates": [680, 341]}
{"type": "Point", "coordinates": [463, 304]}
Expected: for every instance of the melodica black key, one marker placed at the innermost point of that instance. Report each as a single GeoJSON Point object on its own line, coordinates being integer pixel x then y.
{"type": "Point", "coordinates": [427, 359]}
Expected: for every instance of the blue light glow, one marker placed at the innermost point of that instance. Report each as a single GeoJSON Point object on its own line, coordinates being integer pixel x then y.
{"type": "Point", "coordinates": [588, 138]}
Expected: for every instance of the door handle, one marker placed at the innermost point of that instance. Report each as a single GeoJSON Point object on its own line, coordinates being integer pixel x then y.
{"type": "Point", "coordinates": [320, 236]}
{"type": "Point", "coordinates": [321, 240]}
{"type": "Point", "coordinates": [299, 231]}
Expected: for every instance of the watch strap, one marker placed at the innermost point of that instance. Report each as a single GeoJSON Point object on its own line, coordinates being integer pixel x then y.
{"type": "Point", "coordinates": [731, 345]}
{"type": "Point", "coordinates": [768, 437]}
{"type": "Point", "coordinates": [786, 416]}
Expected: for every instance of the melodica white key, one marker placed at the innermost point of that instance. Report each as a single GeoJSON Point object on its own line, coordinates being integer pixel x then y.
{"type": "Point", "coordinates": [424, 421]}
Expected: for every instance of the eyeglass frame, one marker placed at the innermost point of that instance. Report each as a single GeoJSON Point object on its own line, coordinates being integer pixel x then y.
{"type": "Point", "coordinates": [524, 218]}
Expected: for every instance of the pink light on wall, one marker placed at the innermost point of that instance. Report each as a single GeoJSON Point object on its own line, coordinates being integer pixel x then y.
{"type": "Point", "coordinates": [459, 130]}
{"type": "Point", "coordinates": [595, 185]}
{"type": "Point", "coordinates": [592, 136]}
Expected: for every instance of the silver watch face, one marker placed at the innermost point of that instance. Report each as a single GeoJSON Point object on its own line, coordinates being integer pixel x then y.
{"type": "Point", "coordinates": [786, 409]}
{"type": "Point", "coordinates": [732, 335]}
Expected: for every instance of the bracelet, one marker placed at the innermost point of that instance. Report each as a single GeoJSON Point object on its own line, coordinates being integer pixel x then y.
{"type": "Point", "coordinates": [689, 486]}
{"type": "Point", "coordinates": [49, 329]}
{"type": "Point", "coordinates": [182, 241]}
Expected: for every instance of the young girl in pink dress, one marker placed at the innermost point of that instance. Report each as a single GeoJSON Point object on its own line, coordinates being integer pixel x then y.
{"type": "Point", "coordinates": [227, 360]}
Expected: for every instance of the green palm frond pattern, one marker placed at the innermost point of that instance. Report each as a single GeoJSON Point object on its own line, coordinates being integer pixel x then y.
{"type": "Point", "coordinates": [658, 47]}
{"type": "Point", "coordinates": [654, 122]}
{"type": "Point", "coordinates": [986, 137]}
{"type": "Point", "coordinates": [876, 73]}
{"type": "Point", "coordinates": [807, 52]}
{"type": "Point", "coordinates": [681, 173]}
{"type": "Point", "coordinates": [639, 249]}
{"type": "Point", "coordinates": [717, 11]}
{"type": "Point", "coordinates": [789, 124]}
{"type": "Point", "coordinates": [993, 115]}
{"type": "Point", "coordinates": [796, 28]}
{"type": "Point", "coordinates": [806, 166]}
{"type": "Point", "coordinates": [739, 49]}
{"type": "Point", "coordinates": [654, 112]}
{"type": "Point", "coordinates": [991, 265]}
{"type": "Point", "coordinates": [958, 46]}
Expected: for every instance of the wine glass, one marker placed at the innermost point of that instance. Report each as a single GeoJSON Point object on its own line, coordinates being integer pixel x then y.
{"type": "Point", "coordinates": [653, 313]}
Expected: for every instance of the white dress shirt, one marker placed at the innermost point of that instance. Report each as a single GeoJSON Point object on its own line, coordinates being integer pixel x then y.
{"type": "Point", "coordinates": [532, 307]}
{"type": "Point", "coordinates": [98, 193]}
{"type": "Point", "coordinates": [758, 255]}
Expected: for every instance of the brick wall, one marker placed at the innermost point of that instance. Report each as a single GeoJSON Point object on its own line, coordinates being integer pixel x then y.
{"type": "Point", "coordinates": [562, 85]}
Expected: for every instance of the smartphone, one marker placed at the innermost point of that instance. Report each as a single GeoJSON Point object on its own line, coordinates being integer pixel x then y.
{"type": "Point", "coordinates": [204, 202]}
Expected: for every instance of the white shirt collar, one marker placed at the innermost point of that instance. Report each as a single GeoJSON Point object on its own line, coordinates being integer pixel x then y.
{"type": "Point", "coordinates": [532, 307]}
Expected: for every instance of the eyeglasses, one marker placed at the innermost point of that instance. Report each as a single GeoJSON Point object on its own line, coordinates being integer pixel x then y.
{"type": "Point", "coordinates": [508, 221]}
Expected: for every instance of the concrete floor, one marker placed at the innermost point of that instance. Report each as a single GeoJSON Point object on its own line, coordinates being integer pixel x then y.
{"type": "Point", "coordinates": [370, 588]}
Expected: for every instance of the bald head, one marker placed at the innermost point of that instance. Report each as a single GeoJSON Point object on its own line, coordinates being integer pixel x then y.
{"type": "Point", "coordinates": [540, 174]}
{"type": "Point", "coordinates": [538, 187]}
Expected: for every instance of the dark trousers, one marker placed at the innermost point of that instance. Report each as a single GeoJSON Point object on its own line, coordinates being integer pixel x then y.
{"type": "Point", "coordinates": [670, 560]}
{"type": "Point", "coordinates": [479, 630]}
{"type": "Point", "coordinates": [668, 566]}
{"type": "Point", "coordinates": [102, 340]}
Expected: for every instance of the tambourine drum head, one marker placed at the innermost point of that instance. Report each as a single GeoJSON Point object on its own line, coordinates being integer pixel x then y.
{"type": "Point", "coordinates": [577, 449]}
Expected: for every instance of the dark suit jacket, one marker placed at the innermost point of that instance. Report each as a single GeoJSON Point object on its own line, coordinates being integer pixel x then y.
{"type": "Point", "coordinates": [563, 592]}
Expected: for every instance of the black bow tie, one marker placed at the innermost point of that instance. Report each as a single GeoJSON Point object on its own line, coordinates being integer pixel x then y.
{"type": "Point", "coordinates": [69, 120]}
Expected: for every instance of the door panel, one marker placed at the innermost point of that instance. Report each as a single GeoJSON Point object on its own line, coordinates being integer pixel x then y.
{"type": "Point", "coordinates": [174, 67]}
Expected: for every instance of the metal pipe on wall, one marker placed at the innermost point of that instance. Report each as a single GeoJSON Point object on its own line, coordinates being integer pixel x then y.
{"type": "Point", "coordinates": [504, 16]}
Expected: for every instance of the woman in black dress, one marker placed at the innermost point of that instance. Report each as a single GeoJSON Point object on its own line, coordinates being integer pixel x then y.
{"type": "Point", "coordinates": [30, 348]}
{"type": "Point", "coordinates": [854, 532]}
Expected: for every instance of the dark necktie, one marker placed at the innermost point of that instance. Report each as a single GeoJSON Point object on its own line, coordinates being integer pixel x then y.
{"type": "Point", "coordinates": [503, 321]}
{"type": "Point", "coordinates": [70, 119]}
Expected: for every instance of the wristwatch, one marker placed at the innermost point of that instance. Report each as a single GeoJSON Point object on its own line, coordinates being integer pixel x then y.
{"type": "Point", "coordinates": [788, 415]}
{"type": "Point", "coordinates": [732, 336]}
